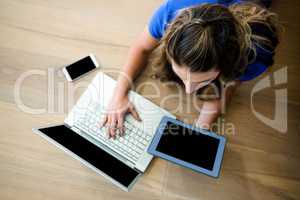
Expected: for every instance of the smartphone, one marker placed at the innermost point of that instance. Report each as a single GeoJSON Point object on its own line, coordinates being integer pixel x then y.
{"type": "Point", "coordinates": [81, 67]}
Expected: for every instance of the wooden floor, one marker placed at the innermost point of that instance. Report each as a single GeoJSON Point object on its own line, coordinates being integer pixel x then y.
{"type": "Point", "coordinates": [259, 163]}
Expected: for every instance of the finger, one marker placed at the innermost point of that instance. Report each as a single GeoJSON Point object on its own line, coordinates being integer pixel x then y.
{"type": "Point", "coordinates": [120, 125]}
{"type": "Point", "coordinates": [135, 114]}
{"type": "Point", "coordinates": [104, 121]}
{"type": "Point", "coordinates": [107, 127]}
{"type": "Point", "coordinates": [112, 127]}
{"type": "Point", "coordinates": [202, 125]}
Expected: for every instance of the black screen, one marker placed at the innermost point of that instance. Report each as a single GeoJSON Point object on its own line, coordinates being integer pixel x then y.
{"type": "Point", "coordinates": [188, 145]}
{"type": "Point", "coordinates": [91, 153]}
{"type": "Point", "coordinates": [80, 67]}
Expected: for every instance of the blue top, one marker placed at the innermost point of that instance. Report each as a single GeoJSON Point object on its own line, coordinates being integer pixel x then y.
{"type": "Point", "coordinates": [168, 10]}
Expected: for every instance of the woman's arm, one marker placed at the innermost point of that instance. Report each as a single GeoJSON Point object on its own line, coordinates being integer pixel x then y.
{"type": "Point", "coordinates": [119, 105]}
{"type": "Point", "coordinates": [212, 109]}
{"type": "Point", "coordinates": [136, 61]}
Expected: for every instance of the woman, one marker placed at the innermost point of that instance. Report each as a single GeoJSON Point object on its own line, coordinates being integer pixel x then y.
{"type": "Point", "coordinates": [200, 44]}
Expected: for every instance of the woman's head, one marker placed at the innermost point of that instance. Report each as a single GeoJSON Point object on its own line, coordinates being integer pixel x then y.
{"type": "Point", "coordinates": [206, 42]}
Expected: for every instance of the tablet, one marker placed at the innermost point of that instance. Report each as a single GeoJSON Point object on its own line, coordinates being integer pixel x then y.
{"type": "Point", "coordinates": [198, 149]}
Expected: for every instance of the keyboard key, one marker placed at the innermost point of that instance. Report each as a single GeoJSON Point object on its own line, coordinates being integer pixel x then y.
{"type": "Point", "coordinates": [148, 137]}
{"type": "Point", "coordinates": [131, 145]}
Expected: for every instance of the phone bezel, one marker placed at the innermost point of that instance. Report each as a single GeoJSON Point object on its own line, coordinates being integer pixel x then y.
{"type": "Point", "coordinates": [67, 75]}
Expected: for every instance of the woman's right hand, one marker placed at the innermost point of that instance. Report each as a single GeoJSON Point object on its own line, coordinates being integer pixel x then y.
{"type": "Point", "coordinates": [115, 114]}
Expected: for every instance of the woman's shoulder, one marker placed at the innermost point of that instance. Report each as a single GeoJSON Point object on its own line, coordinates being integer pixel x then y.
{"type": "Point", "coordinates": [264, 46]}
{"type": "Point", "coordinates": [265, 41]}
{"type": "Point", "coordinates": [168, 10]}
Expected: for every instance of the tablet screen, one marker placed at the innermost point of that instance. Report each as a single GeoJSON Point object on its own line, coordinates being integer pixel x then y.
{"type": "Point", "coordinates": [188, 145]}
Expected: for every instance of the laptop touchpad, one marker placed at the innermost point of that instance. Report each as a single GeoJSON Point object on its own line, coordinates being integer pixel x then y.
{"type": "Point", "coordinates": [89, 152]}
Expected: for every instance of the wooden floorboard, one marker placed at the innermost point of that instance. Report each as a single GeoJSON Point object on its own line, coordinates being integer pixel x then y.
{"type": "Point", "coordinates": [259, 162]}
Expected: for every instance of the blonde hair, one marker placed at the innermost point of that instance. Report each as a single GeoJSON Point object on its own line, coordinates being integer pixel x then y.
{"type": "Point", "coordinates": [214, 36]}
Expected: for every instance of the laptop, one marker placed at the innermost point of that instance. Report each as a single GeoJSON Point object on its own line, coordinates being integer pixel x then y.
{"type": "Point", "coordinates": [123, 160]}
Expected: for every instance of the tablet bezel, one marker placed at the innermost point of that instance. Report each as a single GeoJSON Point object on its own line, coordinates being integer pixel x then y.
{"type": "Point", "coordinates": [219, 156]}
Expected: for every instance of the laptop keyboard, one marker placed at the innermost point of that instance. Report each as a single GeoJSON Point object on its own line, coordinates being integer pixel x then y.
{"type": "Point", "coordinates": [131, 145]}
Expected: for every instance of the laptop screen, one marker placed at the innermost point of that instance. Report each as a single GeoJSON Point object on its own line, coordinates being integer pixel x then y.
{"type": "Point", "coordinates": [91, 153]}
{"type": "Point", "coordinates": [188, 145]}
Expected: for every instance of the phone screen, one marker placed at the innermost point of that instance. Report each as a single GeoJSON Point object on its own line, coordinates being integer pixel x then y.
{"type": "Point", "coordinates": [80, 67]}
{"type": "Point", "coordinates": [188, 145]}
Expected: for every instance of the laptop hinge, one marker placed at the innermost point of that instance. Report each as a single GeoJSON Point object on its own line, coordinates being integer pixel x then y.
{"type": "Point", "coordinates": [139, 171]}
{"type": "Point", "coordinates": [75, 129]}
{"type": "Point", "coordinates": [111, 151]}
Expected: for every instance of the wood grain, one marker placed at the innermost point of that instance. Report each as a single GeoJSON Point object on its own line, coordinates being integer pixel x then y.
{"type": "Point", "coordinates": [259, 162]}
